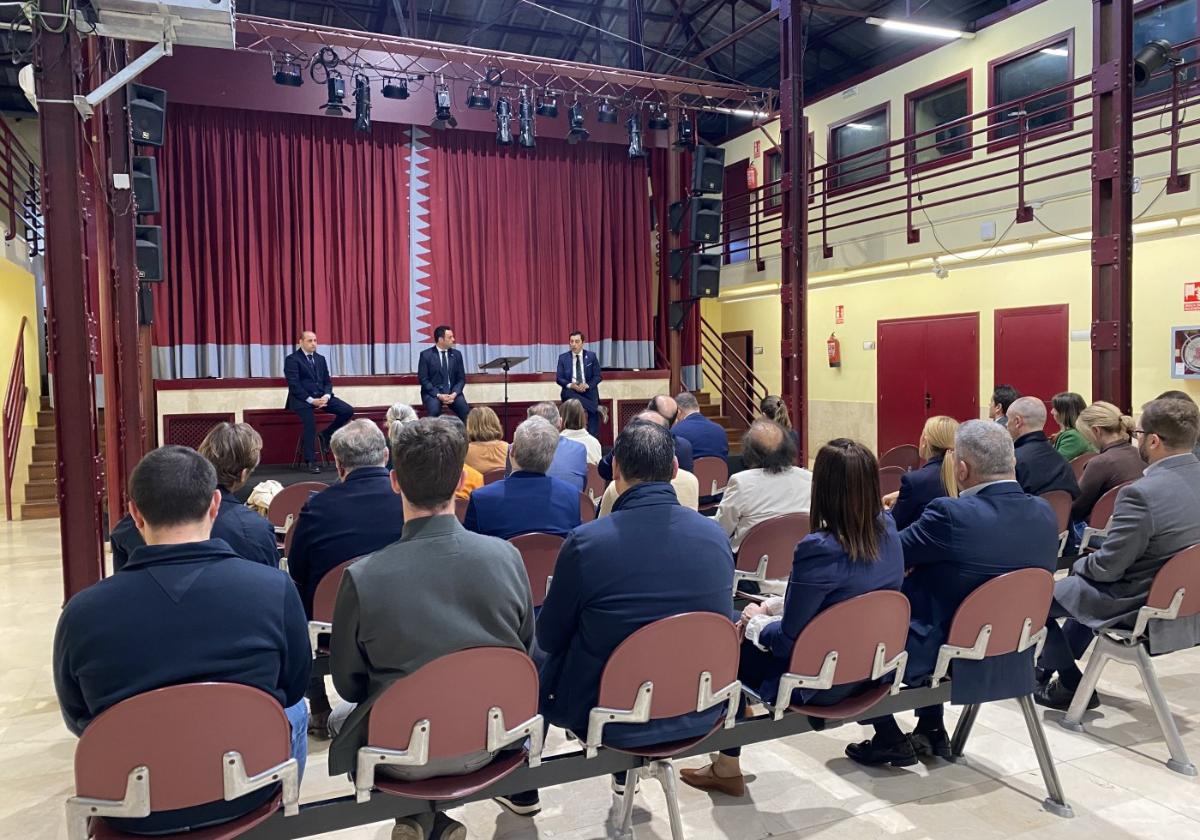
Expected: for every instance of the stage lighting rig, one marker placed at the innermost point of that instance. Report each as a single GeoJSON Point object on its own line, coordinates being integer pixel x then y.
{"type": "Point", "coordinates": [547, 104]}
{"type": "Point", "coordinates": [287, 71]}
{"type": "Point", "coordinates": [634, 126]}
{"type": "Point", "coordinates": [443, 118]}
{"type": "Point", "coordinates": [335, 93]}
{"type": "Point", "coordinates": [504, 121]}
{"type": "Point", "coordinates": [685, 133]}
{"type": "Point", "coordinates": [526, 137]}
{"type": "Point", "coordinates": [479, 97]}
{"type": "Point", "coordinates": [659, 121]}
{"type": "Point", "coordinates": [362, 103]}
{"type": "Point", "coordinates": [575, 117]}
{"type": "Point", "coordinates": [606, 113]}
{"type": "Point", "coordinates": [395, 88]}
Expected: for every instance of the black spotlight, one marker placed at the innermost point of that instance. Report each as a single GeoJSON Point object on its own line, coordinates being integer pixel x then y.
{"type": "Point", "coordinates": [575, 120]}
{"type": "Point", "coordinates": [335, 87]}
{"type": "Point", "coordinates": [395, 88]}
{"type": "Point", "coordinates": [547, 105]}
{"type": "Point", "coordinates": [504, 121]}
{"type": "Point", "coordinates": [606, 113]}
{"type": "Point", "coordinates": [443, 118]}
{"type": "Point", "coordinates": [480, 98]}
{"type": "Point", "coordinates": [362, 103]}
{"type": "Point", "coordinates": [526, 136]}
{"type": "Point", "coordinates": [287, 71]}
{"type": "Point", "coordinates": [659, 121]}
{"type": "Point", "coordinates": [1150, 59]}
{"type": "Point", "coordinates": [685, 136]}
{"type": "Point", "coordinates": [634, 126]}
{"type": "Point", "coordinates": [494, 76]}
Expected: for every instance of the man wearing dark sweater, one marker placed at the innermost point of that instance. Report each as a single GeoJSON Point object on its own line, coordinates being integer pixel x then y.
{"type": "Point", "coordinates": [1040, 469]}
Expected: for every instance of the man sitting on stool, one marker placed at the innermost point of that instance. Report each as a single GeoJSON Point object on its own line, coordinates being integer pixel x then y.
{"type": "Point", "coordinates": [443, 374]}
{"type": "Point", "coordinates": [310, 388]}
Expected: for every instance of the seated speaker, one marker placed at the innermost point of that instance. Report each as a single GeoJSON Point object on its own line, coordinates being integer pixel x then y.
{"type": "Point", "coordinates": [706, 220]}
{"type": "Point", "coordinates": [706, 275]}
{"type": "Point", "coordinates": [147, 114]}
{"type": "Point", "coordinates": [148, 242]}
{"type": "Point", "coordinates": [708, 170]}
{"type": "Point", "coordinates": [145, 184]}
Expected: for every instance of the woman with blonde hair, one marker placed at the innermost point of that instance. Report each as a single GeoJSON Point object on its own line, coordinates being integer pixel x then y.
{"type": "Point", "coordinates": [397, 417]}
{"type": "Point", "coordinates": [932, 481]}
{"type": "Point", "coordinates": [486, 449]}
{"type": "Point", "coordinates": [1104, 426]}
{"type": "Point", "coordinates": [774, 408]}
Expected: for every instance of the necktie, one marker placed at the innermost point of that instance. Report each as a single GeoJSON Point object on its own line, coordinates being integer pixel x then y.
{"type": "Point", "coordinates": [311, 360]}
{"type": "Point", "coordinates": [578, 370]}
{"type": "Point", "coordinates": [445, 370]}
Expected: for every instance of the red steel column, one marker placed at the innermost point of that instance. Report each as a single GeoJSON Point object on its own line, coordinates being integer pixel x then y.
{"type": "Point", "coordinates": [793, 292]}
{"type": "Point", "coordinates": [1112, 202]}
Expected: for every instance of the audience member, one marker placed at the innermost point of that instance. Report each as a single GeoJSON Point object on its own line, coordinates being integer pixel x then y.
{"type": "Point", "coordinates": [359, 515]}
{"type": "Point", "coordinates": [486, 449]}
{"type": "Point", "coordinates": [184, 608]}
{"type": "Point", "coordinates": [575, 420]}
{"type": "Point", "coordinates": [1181, 395]}
{"type": "Point", "coordinates": [771, 484]}
{"type": "Point", "coordinates": [1039, 468]}
{"type": "Point", "coordinates": [472, 478]}
{"type": "Point", "coordinates": [1155, 518]}
{"type": "Point", "coordinates": [707, 438]}
{"type": "Point", "coordinates": [570, 459]}
{"type": "Point", "coordinates": [605, 589]}
{"type": "Point", "coordinates": [528, 499]}
{"type": "Point", "coordinates": [853, 549]}
{"type": "Point", "coordinates": [1002, 397]}
{"type": "Point", "coordinates": [1119, 462]}
{"type": "Point", "coordinates": [233, 449]}
{"type": "Point", "coordinates": [687, 488]}
{"type": "Point", "coordinates": [397, 417]}
{"type": "Point", "coordinates": [993, 527]}
{"type": "Point", "coordinates": [1065, 408]}
{"type": "Point", "coordinates": [774, 408]}
{"type": "Point", "coordinates": [439, 590]}
{"type": "Point", "coordinates": [663, 407]}
{"type": "Point", "coordinates": [934, 480]}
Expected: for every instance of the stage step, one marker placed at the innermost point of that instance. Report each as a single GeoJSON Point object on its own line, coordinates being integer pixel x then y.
{"type": "Point", "coordinates": [39, 510]}
{"type": "Point", "coordinates": [42, 490]}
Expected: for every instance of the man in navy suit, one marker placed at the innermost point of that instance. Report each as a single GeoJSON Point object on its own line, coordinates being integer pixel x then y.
{"type": "Point", "coordinates": [957, 545]}
{"type": "Point", "coordinates": [706, 437]}
{"type": "Point", "coordinates": [310, 388]}
{"type": "Point", "coordinates": [443, 375]}
{"type": "Point", "coordinates": [664, 407]}
{"type": "Point", "coordinates": [579, 377]}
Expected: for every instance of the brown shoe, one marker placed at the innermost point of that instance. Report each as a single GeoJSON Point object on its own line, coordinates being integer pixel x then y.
{"type": "Point", "coordinates": [318, 725]}
{"type": "Point", "coordinates": [705, 778]}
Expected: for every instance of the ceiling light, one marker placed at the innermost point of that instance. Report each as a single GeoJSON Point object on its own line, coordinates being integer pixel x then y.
{"type": "Point", "coordinates": [749, 113]}
{"type": "Point", "coordinates": [526, 136]}
{"type": "Point", "coordinates": [287, 71]}
{"type": "Point", "coordinates": [575, 117]}
{"type": "Point", "coordinates": [939, 270]}
{"type": "Point", "coordinates": [335, 90]}
{"type": "Point", "coordinates": [479, 98]}
{"type": "Point", "coordinates": [443, 117]}
{"type": "Point", "coordinates": [920, 28]}
{"type": "Point", "coordinates": [547, 105]}
{"type": "Point", "coordinates": [685, 136]}
{"type": "Point", "coordinates": [634, 127]}
{"type": "Point", "coordinates": [606, 113]}
{"type": "Point", "coordinates": [362, 103]}
{"type": "Point", "coordinates": [504, 121]}
{"type": "Point", "coordinates": [395, 88]}
{"type": "Point", "coordinates": [659, 121]}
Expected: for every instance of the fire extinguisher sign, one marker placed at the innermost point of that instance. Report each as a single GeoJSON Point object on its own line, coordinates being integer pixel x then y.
{"type": "Point", "coordinates": [839, 314]}
{"type": "Point", "coordinates": [1191, 297]}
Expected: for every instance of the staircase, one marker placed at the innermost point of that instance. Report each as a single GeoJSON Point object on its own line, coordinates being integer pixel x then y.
{"type": "Point", "coordinates": [41, 490]}
{"type": "Point", "coordinates": [734, 427]}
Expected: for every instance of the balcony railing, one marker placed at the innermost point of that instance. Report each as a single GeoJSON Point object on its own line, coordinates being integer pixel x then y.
{"type": "Point", "coordinates": [20, 192]}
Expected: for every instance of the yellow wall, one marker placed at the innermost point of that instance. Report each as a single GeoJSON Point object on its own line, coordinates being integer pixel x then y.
{"type": "Point", "coordinates": [17, 299]}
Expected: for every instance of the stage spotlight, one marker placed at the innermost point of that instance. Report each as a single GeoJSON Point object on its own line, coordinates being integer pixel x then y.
{"type": "Point", "coordinates": [685, 136]}
{"type": "Point", "coordinates": [395, 88]}
{"type": "Point", "coordinates": [526, 136]}
{"type": "Point", "coordinates": [494, 76]}
{"type": "Point", "coordinates": [659, 121]}
{"type": "Point", "coordinates": [504, 121]}
{"type": "Point", "coordinates": [443, 118]}
{"type": "Point", "coordinates": [575, 121]}
{"type": "Point", "coordinates": [1150, 59]}
{"type": "Point", "coordinates": [634, 126]}
{"type": "Point", "coordinates": [335, 90]}
{"type": "Point", "coordinates": [362, 103]}
{"type": "Point", "coordinates": [479, 98]}
{"type": "Point", "coordinates": [547, 105]}
{"type": "Point", "coordinates": [287, 71]}
{"type": "Point", "coordinates": [606, 113]}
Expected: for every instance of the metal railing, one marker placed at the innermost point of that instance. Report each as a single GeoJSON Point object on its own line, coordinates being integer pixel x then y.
{"type": "Point", "coordinates": [740, 389]}
{"type": "Point", "coordinates": [20, 192]}
{"type": "Point", "coordinates": [14, 414]}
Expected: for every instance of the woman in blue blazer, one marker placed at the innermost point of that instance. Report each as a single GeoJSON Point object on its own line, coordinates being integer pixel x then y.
{"type": "Point", "coordinates": [935, 480]}
{"type": "Point", "coordinates": [853, 549]}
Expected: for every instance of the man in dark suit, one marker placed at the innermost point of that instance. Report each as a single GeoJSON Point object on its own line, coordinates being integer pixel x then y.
{"type": "Point", "coordinates": [443, 375]}
{"type": "Point", "coordinates": [579, 377]}
{"type": "Point", "coordinates": [1040, 468]}
{"type": "Point", "coordinates": [310, 388]}
{"type": "Point", "coordinates": [957, 545]}
{"type": "Point", "coordinates": [528, 499]}
{"type": "Point", "coordinates": [707, 438]}
{"type": "Point", "coordinates": [665, 407]}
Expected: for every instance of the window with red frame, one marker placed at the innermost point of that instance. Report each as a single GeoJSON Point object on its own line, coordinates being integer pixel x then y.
{"type": "Point", "coordinates": [772, 177]}
{"type": "Point", "coordinates": [1175, 21]}
{"type": "Point", "coordinates": [1017, 80]}
{"type": "Point", "coordinates": [850, 142]}
{"type": "Point", "coordinates": [936, 119]}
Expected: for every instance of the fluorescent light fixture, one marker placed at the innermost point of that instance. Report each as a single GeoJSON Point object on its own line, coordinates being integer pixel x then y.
{"type": "Point", "coordinates": [750, 289]}
{"type": "Point", "coordinates": [741, 112]}
{"type": "Point", "coordinates": [920, 28]}
{"type": "Point", "coordinates": [1061, 52]}
{"type": "Point", "coordinates": [1153, 227]}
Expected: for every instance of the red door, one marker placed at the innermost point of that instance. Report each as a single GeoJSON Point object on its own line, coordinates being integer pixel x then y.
{"type": "Point", "coordinates": [925, 366]}
{"type": "Point", "coordinates": [1031, 350]}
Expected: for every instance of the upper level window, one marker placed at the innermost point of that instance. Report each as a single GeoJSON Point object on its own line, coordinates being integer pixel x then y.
{"type": "Point", "coordinates": [851, 164]}
{"type": "Point", "coordinates": [772, 177]}
{"type": "Point", "coordinates": [1170, 20]}
{"type": "Point", "coordinates": [938, 114]}
{"type": "Point", "coordinates": [1018, 79]}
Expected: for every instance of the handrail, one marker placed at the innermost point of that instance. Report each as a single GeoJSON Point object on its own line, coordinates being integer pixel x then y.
{"type": "Point", "coordinates": [14, 413]}
{"type": "Point", "coordinates": [706, 327]}
{"type": "Point", "coordinates": [737, 378]}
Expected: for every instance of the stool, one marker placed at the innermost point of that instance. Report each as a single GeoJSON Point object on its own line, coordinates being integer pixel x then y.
{"type": "Point", "coordinates": [298, 454]}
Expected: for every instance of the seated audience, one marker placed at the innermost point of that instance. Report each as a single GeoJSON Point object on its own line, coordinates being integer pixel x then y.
{"type": "Point", "coordinates": [706, 437]}
{"type": "Point", "coordinates": [1107, 429]}
{"type": "Point", "coordinates": [486, 449]}
{"type": "Point", "coordinates": [1039, 468]}
{"type": "Point", "coordinates": [853, 549]}
{"type": "Point", "coordinates": [358, 515]}
{"type": "Point", "coordinates": [1155, 518]}
{"type": "Point", "coordinates": [934, 480]}
{"type": "Point", "coordinates": [1065, 409]}
{"type": "Point", "coordinates": [528, 499]}
{"type": "Point", "coordinates": [957, 545]}
{"type": "Point", "coordinates": [1181, 395]}
{"type": "Point", "coordinates": [184, 608]}
{"type": "Point", "coordinates": [771, 484]}
{"type": "Point", "coordinates": [687, 488]}
{"type": "Point", "coordinates": [1002, 397]}
{"type": "Point", "coordinates": [439, 590]}
{"type": "Point", "coordinates": [233, 449]}
{"type": "Point", "coordinates": [570, 459]}
{"type": "Point", "coordinates": [574, 419]}
{"type": "Point", "coordinates": [665, 408]}
{"type": "Point", "coordinates": [774, 408]}
{"type": "Point", "coordinates": [605, 589]}
{"type": "Point", "coordinates": [397, 417]}
{"type": "Point", "coordinates": [472, 478]}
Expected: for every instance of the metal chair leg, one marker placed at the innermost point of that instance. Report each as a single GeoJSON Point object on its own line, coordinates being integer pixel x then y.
{"type": "Point", "coordinates": [625, 826]}
{"type": "Point", "coordinates": [1056, 802]}
{"type": "Point", "coordinates": [963, 731]}
{"type": "Point", "coordinates": [1179, 761]}
{"type": "Point", "coordinates": [665, 772]}
{"type": "Point", "coordinates": [1100, 657]}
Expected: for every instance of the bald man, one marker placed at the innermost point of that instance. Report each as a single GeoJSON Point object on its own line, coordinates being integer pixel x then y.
{"type": "Point", "coordinates": [1040, 469]}
{"type": "Point", "coordinates": [310, 388]}
{"type": "Point", "coordinates": [687, 488]}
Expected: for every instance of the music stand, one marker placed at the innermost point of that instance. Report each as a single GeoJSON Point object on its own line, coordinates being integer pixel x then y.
{"type": "Point", "coordinates": [504, 363]}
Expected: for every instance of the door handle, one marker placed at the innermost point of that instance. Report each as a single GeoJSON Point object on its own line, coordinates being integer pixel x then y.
{"type": "Point", "coordinates": [928, 400]}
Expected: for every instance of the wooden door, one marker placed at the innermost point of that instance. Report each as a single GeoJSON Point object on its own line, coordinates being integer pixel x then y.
{"type": "Point", "coordinates": [1031, 350]}
{"type": "Point", "coordinates": [736, 392]}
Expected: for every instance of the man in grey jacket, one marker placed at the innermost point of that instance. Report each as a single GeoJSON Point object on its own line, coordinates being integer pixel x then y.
{"type": "Point", "coordinates": [1155, 518]}
{"type": "Point", "coordinates": [439, 590]}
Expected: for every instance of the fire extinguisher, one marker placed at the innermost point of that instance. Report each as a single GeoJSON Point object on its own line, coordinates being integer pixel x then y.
{"type": "Point", "coordinates": [752, 177]}
{"type": "Point", "coordinates": [833, 348]}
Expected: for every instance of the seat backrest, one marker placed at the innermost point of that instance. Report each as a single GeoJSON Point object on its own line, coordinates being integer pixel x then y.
{"type": "Point", "coordinates": [327, 589]}
{"type": "Point", "coordinates": [906, 456]}
{"type": "Point", "coordinates": [710, 471]}
{"type": "Point", "coordinates": [1081, 461]}
{"type": "Point", "coordinates": [587, 508]}
{"type": "Point", "coordinates": [671, 653]}
{"type": "Point", "coordinates": [1180, 572]}
{"type": "Point", "coordinates": [454, 693]}
{"type": "Point", "coordinates": [1060, 502]}
{"type": "Point", "coordinates": [889, 479]}
{"type": "Point", "coordinates": [539, 553]}
{"type": "Point", "coordinates": [775, 539]}
{"type": "Point", "coordinates": [181, 734]}
{"type": "Point", "coordinates": [1004, 602]}
{"type": "Point", "coordinates": [290, 499]}
{"type": "Point", "coordinates": [460, 509]}
{"type": "Point", "coordinates": [854, 628]}
{"type": "Point", "coordinates": [595, 484]}
{"type": "Point", "coordinates": [1102, 511]}
{"type": "Point", "coordinates": [492, 476]}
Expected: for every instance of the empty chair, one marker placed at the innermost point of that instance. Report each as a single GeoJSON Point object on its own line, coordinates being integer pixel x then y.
{"type": "Point", "coordinates": [1081, 461]}
{"type": "Point", "coordinates": [712, 473]}
{"type": "Point", "coordinates": [889, 479]}
{"type": "Point", "coordinates": [595, 484]}
{"type": "Point", "coordinates": [767, 549]}
{"type": "Point", "coordinates": [1005, 615]}
{"type": "Point", "coordinates": [288, 502]}
{"type": "Point", "coordinates": [323, 602]}
{"type": "Point", "coordinates": [1060, 502]}
{"type": "Point", "coordinates": [539, 553]}
{"type": "Point", "coordinates": [906, 456]}
{"type": "Point", "coordinates": [492, 476]}
{"type": "Point", "coordinates": [1097, 524]}
{"type": "Point", "coordinates": [166, 750]}
{"type": "Point", "coordinates": [1174, 595]}
{"type": "Point", "coordinates": [587, 508]}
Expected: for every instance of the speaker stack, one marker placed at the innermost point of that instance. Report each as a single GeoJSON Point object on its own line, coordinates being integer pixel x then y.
{"type": "Point", "coordinates": [147, 118]}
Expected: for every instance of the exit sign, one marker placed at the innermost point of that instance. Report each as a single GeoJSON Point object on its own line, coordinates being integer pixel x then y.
{"type": "Point", "coordinates": [839, 314]}
{"type": "Point", "coordinates": [758, 148]}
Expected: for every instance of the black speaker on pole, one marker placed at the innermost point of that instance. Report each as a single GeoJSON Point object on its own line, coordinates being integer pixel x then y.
{"type": "Point", "coordinates": [147, 113]}
{"type": "Point", "coordinates": [676, 262]}
{"type": "Point", "coordinates": [148, 241]}
{"type": "Point", "coordinates": [708, 170]}
{"type": "Point", "coordinates": [145, 184]}
{"type": "Point", "coordinates": [706, 275]}
{"type": "Point", "coordinates": [677, 314]}
{"type": "Point", "coordinates": [706, 220]}
{"type": "Point", "coordinates": [145, 305]}
{"type": "Point", "coordinates": [675, 216]}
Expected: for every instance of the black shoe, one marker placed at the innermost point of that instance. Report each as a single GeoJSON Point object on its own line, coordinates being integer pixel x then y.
{"type": "Point", "coordinates": [312, 467]}
{"type": "Point", "coordinates": [931, 742]}
{"type": "Point", "coordinates": [525, 804]}
{"type": "Point", "coordinates": [1055, 695]}
{"type": "Point", "coordinates": [871, 753]}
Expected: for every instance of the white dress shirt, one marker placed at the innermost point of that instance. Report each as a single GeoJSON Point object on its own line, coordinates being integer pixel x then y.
{"type": "Point", "coordinates": [754, 496]}
{"type": "Point", "coordinates": [590, 443]}
{"type": "Point", "coordinates": [687, 491]}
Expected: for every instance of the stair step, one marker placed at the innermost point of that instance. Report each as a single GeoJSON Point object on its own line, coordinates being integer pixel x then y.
{"type": "Point", "coordinates": [44, 404]}
{"type": "Point", "coordinates": [45, 453]}
{"type": "Point", "coordinates": [43, 435]}
{"type": "Point", "coordinates": [41, 490]}
{"type": "Point", "coordinates": [702, 397]}
{"type": "Point", "coordinates": [710, 410]}
{"type": "Point", "coordinates": [45, 419]}
{"type": "Point", "coordinates": [39, 510]}
{"type": "Point", "coordinates": [42, 472]}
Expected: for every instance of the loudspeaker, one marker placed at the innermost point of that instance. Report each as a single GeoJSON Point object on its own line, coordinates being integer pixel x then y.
{"type": "Point", "coordinates": [676, 261]}
{"type": "Point", "coordinates": [675, 216]}
{"type": "Point", "coordinates": [706, 220]}
{"type": "Point", "coordinates": [148, 240]}
{"type": "Point", "coordinates": [145, 305]}
{"type": "Point", "coordinates": [708, 170]}
{"type": "Point", "coordinates": [677, 314]}
{"type": "Point", "coordinates": [148, 114]}
{"type": "Point", "coordinates": [706, 275]}
{"type": "Point", "coordinates": [145, 184]}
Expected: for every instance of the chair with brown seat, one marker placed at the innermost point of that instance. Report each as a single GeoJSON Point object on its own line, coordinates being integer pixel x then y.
{"type": "Point", "coordinates": [1005, 615]}
{"type": "Point", "coordinates": [595, 484]}
{"type": "Point", "coordinates": [767, 549]}
{"type": "Point", "coordinates": [286, 504]}
{"type": "Point", "coordinates": [324, 599]}
{"type": "Point", "coordinates": [906, 456]}
{"type": "Point", "coordinates": [674, 666]}
{"type": "Point", "coordinates": [539, 553]}
{"type": "Point", "coordinates": [1174, 595]}
{"type": "Point", "coordinates": [460, 509]}
{"type": "Point", "coordinates": [1101, 515]}
{"type": "Point", "coordinates": [1060, 502]}
{"type": "Point", "coordinates": [889, 479]}
{"type": "Point", "coordinates": [1081, 461]}
{"type": "Point", "coordinates": [456, 705]}
{"type": "Point", "coordinates": [492, 476]}
{"type": "Point", "coordinates": [712, 474]}
{"type": "Point", "coordinates": [165, 750]}
{"type": "Point", "coordinates": [587, 508]}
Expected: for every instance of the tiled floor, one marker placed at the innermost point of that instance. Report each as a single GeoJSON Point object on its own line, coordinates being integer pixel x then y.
{"type": "Point", "coordinates": [801, 787]}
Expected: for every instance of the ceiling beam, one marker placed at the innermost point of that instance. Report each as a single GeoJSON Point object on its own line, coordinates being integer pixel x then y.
{"type": "Point", "coordinates": [734, 37]}
{"type": "Point", "coordinates": [675, 21]}
{"type": "Point", "coordinates": [694, 37]}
